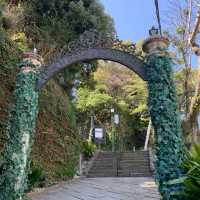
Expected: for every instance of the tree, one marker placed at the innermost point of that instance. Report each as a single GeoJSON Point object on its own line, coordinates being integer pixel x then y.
{"type": "Point", "coordinates": [181, 17]}
{"type": "Point", "coordinates": [178, 27]}
{"type": "Point", "coordinates": [115, 86]}
{"type": "Point", "coordinates": [54, 23]}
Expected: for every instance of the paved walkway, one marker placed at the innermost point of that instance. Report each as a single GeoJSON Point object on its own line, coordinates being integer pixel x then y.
{"type": "Point", "coordinates": [104, 189]}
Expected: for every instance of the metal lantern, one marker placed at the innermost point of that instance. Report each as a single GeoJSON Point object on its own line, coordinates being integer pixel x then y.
{"type": "Point", "coordinates": [153, 31]}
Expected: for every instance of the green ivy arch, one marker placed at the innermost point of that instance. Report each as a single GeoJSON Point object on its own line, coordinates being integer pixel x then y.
{"type": "Point", "coordinates": [162, 106]}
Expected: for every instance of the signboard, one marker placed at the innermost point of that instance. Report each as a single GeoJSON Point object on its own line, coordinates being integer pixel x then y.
{"type": "Point", "coordinates": [98, 133]}
{"type": "Point", "coordinates": [99, 136]}
{"type": "Point", "coordinates": [116, 119]}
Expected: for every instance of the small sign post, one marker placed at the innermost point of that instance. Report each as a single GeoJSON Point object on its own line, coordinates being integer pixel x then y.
{"type": "Point", "coordinates": [99, 135]}
{"type": "Point", "coordinates": [116, 119]}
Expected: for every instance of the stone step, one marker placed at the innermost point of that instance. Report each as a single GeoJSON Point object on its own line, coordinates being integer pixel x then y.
{"type": "Point", "coordinates": [105, 160]}
{"type": "Point", "coordinates": [103, 167]}
{"type": "Point", "coordinates": [131, 159]}
{"type": "Point", "coordinates": [133, 156]}
{"type": "Point", "coordinates": [139, 153]}
{"type": "Point", "coordinates": [132, 162]}
{"type": "Point", "coordinates": [134, 171]}
{"type": "Point", "coordinates": [104, 164]}
{"type": "Point", "coordinates": [122, 167]}
{"type": "Point", "coordinates": [102, 171]}
{"type": "Point", "coordinates": [100, 175]}
{"type": "Point", "coordinates": [134, 159]}
{"type": "Point", "coordinates": [106, 155]}
{"type": "Point", "coordinates": [133, 167]}
{"type": "Point", "coordinates": [128, 164]}
{"type": "Point", "coordinates": [134, 175]}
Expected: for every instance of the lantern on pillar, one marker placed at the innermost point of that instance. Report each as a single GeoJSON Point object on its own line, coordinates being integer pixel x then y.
{"type": "Point", "coordinates": [153, 31]}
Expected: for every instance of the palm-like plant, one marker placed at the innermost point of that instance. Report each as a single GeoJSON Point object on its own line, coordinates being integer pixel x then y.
{"type": "Point", "coordinates": [192, 180]}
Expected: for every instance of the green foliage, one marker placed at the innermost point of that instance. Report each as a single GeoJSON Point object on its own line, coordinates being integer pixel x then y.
{"type": "Point", "coordinates": [88, 150]}
{"type": "Point", "coordinates": [112, 85]}
{"type": "Point", "coordinates": [92, 100]}
{"type": "Point", "coordinates": [57, 129]}
{"type": "Point", "coordinates": [1, 92]}
{"type": "Point", "coordinates": [46, 25]}
{"type": "Point", "coordinates": [170, 150]}
{"type": "Point", "coordinates": [69, 171]}
{"type": "Point", "coordinates": [36, 177]}
{"type": "Point", "coordinates": [180, 30]}
{"type": "Point", "coordinates": [20, 41]}
{"type": "Point", "coordinates": [9, 52]}
{"type": "Point", "coordinates": [20, 132]}
{"type": "Point", "coordinates": [192, 180]}
{"type": "Point", "coordinates": [57, 22]}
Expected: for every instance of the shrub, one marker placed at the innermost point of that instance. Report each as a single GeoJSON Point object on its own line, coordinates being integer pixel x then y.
{"type": "Point", "coordinates": [36, 177]}
{"type": "Point", "coordinates": [67, 171]}
{"type": "Point", "coordinates": [192, 180]}
{"type": "Point", "coordinates": [88, 150]}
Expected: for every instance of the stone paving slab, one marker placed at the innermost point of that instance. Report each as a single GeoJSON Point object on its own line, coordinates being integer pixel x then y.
{"type": "Point", "coordinates": [103, 189]}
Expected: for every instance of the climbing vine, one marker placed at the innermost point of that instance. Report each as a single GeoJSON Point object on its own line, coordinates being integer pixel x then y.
{"type": "Point", "coordinates": [20, 131]}
{"type": "Point", "coordinates": [164, 114]}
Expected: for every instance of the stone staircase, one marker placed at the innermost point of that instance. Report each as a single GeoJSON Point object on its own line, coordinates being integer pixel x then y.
{"type": "Point", "coordinates": [105, 165]}
{"type": "Point", "coordinates": [134, 164]}
{"type": "Point", "coordinates": [126, 164]}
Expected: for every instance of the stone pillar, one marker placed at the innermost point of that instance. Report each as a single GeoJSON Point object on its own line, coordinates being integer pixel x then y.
{"type": "Point", "coordinates": [22, 122]}
{"type": "Point", "coordinates": [163, 108]}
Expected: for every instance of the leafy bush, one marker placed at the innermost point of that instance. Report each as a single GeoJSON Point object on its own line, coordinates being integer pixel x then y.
{"type": "Point", "coordinates": [192, 180]}
{"type": "Point", "coordinates": [88, 150]}
{"type": "Point", "coordinates": [37, 177]}
{"type": "Point", "coordinates": [71, 169]}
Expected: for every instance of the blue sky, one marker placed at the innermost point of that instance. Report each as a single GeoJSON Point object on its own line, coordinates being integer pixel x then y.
{"type": "Point", "coordinates": [133, 18]}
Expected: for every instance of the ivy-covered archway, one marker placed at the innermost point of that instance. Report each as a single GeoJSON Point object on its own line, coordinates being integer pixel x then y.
{"type": "Point", "coordinates": [157, 71]}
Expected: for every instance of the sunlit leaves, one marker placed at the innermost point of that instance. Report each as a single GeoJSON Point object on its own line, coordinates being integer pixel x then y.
{"type": "Point", "coordinates": [92, 100]}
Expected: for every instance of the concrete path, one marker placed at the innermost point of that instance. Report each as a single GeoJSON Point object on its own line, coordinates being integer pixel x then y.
{"type": "Point", "coordinates": [104, 189]}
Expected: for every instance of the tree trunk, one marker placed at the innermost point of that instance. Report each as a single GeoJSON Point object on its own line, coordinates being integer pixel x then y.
{"type": "Point", "coordinates": [195, 131]}
{"type": "Point", "coordinates": [191, 124]}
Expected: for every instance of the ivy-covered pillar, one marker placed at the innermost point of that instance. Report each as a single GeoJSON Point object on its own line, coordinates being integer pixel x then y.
{"type": "Point", "coordinates": [163, 108]}
{"type": "Point", "coordinates": [21, 127]}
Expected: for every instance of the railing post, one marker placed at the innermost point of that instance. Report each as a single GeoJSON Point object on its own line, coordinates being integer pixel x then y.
{"type": "Point", "coordinates": [80, 164]}
{"type": "Point", "coordinates": [147, 136]}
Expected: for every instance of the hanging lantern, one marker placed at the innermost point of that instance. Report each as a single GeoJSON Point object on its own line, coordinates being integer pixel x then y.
{"type": "Point", "coordinates": [153, 31]}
